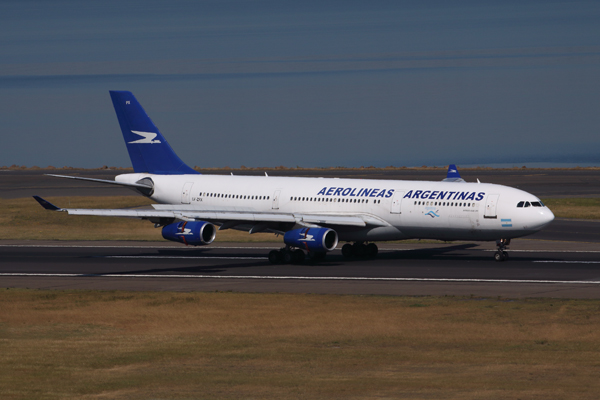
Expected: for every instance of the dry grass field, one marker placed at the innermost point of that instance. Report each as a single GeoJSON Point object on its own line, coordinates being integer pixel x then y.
{"type": "Point", "coordinates": [24, 219]}
{"type": "Point", "coordinates": [121, 345]}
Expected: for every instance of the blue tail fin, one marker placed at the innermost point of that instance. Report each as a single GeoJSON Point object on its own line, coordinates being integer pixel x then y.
{"type": "Point", "coordinates": [148, 149]}
{"type": "Point", "coordinates": [453, 175]}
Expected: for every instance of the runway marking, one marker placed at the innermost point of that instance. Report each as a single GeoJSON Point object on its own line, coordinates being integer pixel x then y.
{"type": "Point", "coordinates": [309, 278]}
{"type": "Point", "coordinates": [188, 257]}
{"type": "Point", "coordinates": [567, 262]}
{"type": "Point", "coordinates": [134, 247]}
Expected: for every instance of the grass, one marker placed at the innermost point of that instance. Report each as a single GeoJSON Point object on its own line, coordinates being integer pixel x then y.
{"type": "Point", "coordinates": [578, 208]}
{"type": "Point", "coordinates": [85, 344]}
{"type": "Point", "coordinates": [24, 219]}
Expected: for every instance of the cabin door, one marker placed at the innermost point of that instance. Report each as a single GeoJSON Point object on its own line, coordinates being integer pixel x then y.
{"type": "Point", "coordinates": [185, 192]}
{"type": "Point", "coordinates": [490, 206]}
{"type": "Point", "coordinates": [397, 203]}
{"type": "Point", "coordinates": [275, 203]}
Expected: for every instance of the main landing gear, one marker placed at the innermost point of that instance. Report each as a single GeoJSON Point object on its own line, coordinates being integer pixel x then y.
{"type": "Point", "coordinates": [289, 255]}
{"type": "Point", "coordinates": [360, 250]}
{"type": "Point", "coordinates": [501, 254]}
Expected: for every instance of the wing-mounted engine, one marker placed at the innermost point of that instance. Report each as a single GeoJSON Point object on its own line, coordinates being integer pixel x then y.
{"type": "Point", "coordinates": [312, 239]}
{"type": "Point", "coordinates": [195, 233]}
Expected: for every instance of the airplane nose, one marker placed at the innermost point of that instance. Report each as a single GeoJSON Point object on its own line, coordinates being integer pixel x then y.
{"type": "Point", "coordinates": [545, 217]}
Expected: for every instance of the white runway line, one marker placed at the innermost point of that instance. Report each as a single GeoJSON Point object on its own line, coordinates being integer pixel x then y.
{"type": "Point", "coordinates": [186, 257]}
{"type": "Point", "coordinates": [307, 278]}
{"type": "Point", "coordinates": [567, 262]}
{"type": "Point", "coordinates": [132, 247]}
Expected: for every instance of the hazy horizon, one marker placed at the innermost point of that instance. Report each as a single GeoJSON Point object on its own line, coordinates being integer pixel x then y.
{"type": "Point", "coordinates": [311, 84]}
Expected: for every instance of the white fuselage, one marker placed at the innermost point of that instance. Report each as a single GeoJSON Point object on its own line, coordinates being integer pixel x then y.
{"type": "Point", "coordinates": [413, 209]}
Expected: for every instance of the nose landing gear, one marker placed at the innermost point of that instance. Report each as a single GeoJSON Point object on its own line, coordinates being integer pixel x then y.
{"type": "Point", "coordinates": [501, 254]}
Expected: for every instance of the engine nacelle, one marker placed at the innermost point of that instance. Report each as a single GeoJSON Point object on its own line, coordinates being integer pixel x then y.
{"type": "Point", "coordinates": [195, 233]}
{"type": "Point", "coordinates": [312, 239]}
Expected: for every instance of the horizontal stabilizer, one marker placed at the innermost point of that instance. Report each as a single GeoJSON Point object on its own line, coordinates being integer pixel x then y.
{"type": "Point", "coordinates": [145, 188]}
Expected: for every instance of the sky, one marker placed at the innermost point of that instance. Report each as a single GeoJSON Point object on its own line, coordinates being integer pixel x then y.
{"type": "Point", "coordinates": [304, 83]}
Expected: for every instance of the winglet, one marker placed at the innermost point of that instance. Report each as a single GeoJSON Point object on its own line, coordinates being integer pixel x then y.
{"type": "Point", "coordinates": [46, 204]}
{"type": "Point", "coordinates": [453, 175]}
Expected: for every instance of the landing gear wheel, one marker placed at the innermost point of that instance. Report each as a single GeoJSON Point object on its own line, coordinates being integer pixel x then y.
{"type": "Point", "coordinates": [347, 250]}
{"type": "Point", "coordinates": [275, 257]}
{"type": "Point", "coordinates": [288, 257]}
{"type": "Point", "coordinates": [360, 250]}
{"type": "Point", "coordinates": [500, 256]}
{"type": "Point", "coordinates": [298, 256]}
{"type": "Point", "coordinates": [372, 250]}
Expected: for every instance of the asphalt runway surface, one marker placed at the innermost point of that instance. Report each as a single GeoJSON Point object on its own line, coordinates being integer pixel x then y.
{"type": "Point", "coordinates": [561, 261]}
{"type": "Point", "coordinates": [535, 269]}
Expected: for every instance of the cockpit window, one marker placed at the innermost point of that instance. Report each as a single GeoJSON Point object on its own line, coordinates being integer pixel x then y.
{"type": "Point", "coordinates": [520, 204]}
{"type": "Point", "coordinates": [527, 204]}
{"type": "Point", "coordinates": [536, 204]}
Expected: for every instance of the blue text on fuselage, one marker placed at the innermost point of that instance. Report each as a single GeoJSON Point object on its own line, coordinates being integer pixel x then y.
{"type": "Point", "coordinates": [355, 192]}
{"type": "Point", "coordinates": [444, 195]}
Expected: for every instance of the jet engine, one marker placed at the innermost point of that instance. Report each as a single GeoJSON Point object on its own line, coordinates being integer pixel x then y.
{"type": "Point", "coordinates": [195, 233]}
{"type": "Point", "coordinates": [312, 239]}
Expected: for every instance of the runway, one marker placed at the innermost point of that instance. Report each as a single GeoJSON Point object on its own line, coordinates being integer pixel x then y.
{"type": "Point", "coordinates": [535, 269]}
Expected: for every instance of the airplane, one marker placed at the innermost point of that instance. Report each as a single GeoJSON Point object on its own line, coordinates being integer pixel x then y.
{"type": "Point", "coordinates": [312, 214]}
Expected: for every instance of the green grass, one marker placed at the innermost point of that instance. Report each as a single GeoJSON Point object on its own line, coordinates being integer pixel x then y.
{"type": "Point", "coordinates": [86, 344]}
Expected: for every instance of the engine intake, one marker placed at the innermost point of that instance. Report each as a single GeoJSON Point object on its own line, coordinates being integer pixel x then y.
{"type": "Point", "coordinates": [312, 239]}
{"type": "Point", "coordinates": [195, 233]}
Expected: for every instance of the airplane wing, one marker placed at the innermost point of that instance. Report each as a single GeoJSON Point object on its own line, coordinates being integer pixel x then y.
{"type": "Point", "coordinates": [220, 217]}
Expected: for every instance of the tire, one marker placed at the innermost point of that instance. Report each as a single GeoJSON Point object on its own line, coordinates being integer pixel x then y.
{"type": "Point", "coordinates": [505, 254]}
{"type": "Point", "coordinates": [360, 250]}
{"type": "Point", "coordinates": [275, 257]}
{"type": "Point", "coordinates": [298, 256]}
{"type": "Point", "coordinates": [348, 250]}
{"type": "Point", "coordinates": [288, 257]}
{"type": "Point", "coordinates": [372, 250]}
{"type": "Point", "coordinates": [499, 256]}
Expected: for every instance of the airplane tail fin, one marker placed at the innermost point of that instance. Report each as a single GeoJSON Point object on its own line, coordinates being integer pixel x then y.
{"type": "Point", "coordinates": [453, 175]}
{"type": "Point", "coordinates": [148, 149]}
